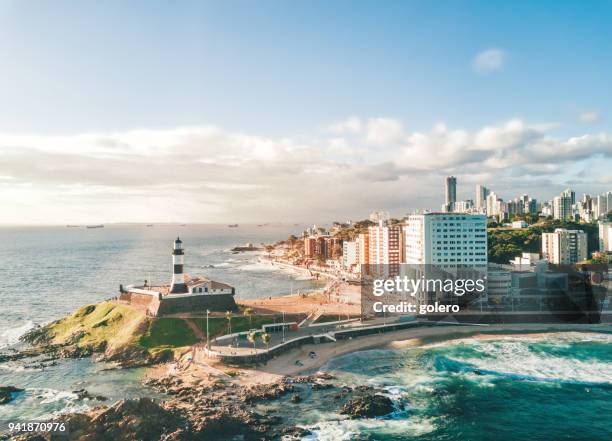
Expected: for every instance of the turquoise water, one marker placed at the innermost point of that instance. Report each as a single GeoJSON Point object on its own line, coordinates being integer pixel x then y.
{"type": "Point", "coordinates": [556, 387]}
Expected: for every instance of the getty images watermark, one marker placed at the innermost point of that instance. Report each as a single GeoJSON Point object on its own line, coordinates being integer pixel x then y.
{"type": "Point", "coordinates": [393, 291]}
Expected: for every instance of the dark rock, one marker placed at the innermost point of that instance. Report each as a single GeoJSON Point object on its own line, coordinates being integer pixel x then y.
{"type": "Point", "coordinates": [368, 406]}
{"type": "Point", "coordinates": [321, 386]}
{"type": "Point", "coordinates": [6, 393]}
{"type": "Point", "coordinates": [294, 433]}
{"type": "Point", "coordinates": [296, 398]}
{"type": "Point", "coordinates": [83, 394]}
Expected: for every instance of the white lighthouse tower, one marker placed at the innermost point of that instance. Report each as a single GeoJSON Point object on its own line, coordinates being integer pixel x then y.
{"type": "Point", "coordinates": [178, 280]}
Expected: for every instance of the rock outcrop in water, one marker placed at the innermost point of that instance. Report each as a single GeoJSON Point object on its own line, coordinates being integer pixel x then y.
{"type": "Point", "coordinates": [220, 410]}
{"type": "Point", "coordinates": [368, 406]}
{"type": "Point", "coordinates": [6, 393]}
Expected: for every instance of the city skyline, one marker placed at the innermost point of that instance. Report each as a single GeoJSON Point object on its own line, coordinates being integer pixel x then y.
{"type": "Point", "coordinates": [198, 113]}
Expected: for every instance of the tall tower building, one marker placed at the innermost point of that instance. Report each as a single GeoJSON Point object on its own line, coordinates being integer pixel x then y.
{"type": "Point", "coordinates": [481, 198]}
{"type": "Point", "coordinates": [451, 193]}
{"type": "Point", "coordinates": [178, 279]}
{"type": "Point", "coordinates": [564, 247]}
{"type": "Point", "coordinates": [562, 206]}
{"type": "Point", "coordinates": [441, 244]}
{"type": "Point", "coordinates": [385, 249]}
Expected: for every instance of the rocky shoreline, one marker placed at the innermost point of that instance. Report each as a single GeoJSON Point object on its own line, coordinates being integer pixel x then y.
{"type": "Point", "coordinates": [219, 410]}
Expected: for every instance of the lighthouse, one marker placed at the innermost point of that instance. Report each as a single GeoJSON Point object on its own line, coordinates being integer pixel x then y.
{"type": "Point", "coordinates": [178, 280]}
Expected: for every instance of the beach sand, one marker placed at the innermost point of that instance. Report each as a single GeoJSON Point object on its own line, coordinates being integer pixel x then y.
{"type": "Point", "coordinates": [285, 364]}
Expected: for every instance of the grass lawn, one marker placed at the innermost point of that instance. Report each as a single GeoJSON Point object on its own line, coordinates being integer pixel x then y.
{"type": "Point", "coordinates": [168, 332]}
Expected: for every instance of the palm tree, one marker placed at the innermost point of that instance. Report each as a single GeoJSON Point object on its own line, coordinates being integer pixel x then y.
{"type": "Point", "coordinates": [248, 312]}
{"type": "Point", "coordinates": [228, 316]}
{"type": "Point", "coordinates": [252, 338]}
{"type": "Point", "coordinates": [265, 337]}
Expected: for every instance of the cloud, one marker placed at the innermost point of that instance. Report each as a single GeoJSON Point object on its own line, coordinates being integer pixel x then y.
{"type": "Point", "coordinates": [383, 131]}
{"type": "Point", "coordinates": [351, 125]}
{"type": "Point", "coordinates": [490, 60]}
{"type": "Point", "coordinates": [590, 116]}
{"type": "Point", "coordinates": [208, 174]}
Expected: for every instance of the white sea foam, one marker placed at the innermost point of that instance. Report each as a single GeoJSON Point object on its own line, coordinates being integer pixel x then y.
{"type": "Point", "coordinates": [345, 429]}
{"type": "Point", "coordinates": [514, 358]}
{"type": "Point", "coordinates": [10, 336]}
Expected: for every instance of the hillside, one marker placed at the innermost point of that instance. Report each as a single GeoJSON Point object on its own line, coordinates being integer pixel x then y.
{"type": "Point", "coordinates": [113, 332]}
{"type": "Point", "coordinates": [507, 243]}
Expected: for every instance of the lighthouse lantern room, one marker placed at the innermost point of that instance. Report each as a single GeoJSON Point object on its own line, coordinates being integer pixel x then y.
{"type": "Point", "coordinates": [178, 279]}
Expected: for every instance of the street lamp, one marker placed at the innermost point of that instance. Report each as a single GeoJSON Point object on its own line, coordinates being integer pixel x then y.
{"type": "Point", "coordinates": [207, 339]}
{"type": "Point", "coordinates": [283, 326]}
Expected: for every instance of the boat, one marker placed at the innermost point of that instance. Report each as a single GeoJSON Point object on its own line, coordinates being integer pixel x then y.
{"type": "Point", "coordinates": [149, 225]}
{"type": "Point", "coordinates": [72, 226]}
{"type": "Point", "coordinates": [95, 226]}
{"type": "Point", "coordinates": [233, 225]}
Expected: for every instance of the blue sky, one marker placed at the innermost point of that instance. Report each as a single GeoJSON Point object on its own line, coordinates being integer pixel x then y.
{"type": "Point", "coordinates": [281, 71]}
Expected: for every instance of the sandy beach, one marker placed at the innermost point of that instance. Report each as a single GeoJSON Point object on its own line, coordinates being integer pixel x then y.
{"type": "Point", "coordinates": [285, 364]}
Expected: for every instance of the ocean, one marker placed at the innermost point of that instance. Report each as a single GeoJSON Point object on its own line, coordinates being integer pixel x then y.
{"type": "Point", "coordinates": [538, 387]}
{"type": "Point", "coordinates": [547, 387]}
{"type": "Point", "coordinates": [48, 272]}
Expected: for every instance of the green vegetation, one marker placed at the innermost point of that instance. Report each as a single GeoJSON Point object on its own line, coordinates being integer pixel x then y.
{"type": "Point", "coordinates": [167, 332]}
{"type": "Point", "coordinates": [122, 333]}
{"type": "Point", "coordinates": [506, 243]}
{"type": "Point", "coordinates": [530, 218]}
{"type": "Point", "coordinates": [104, 325]}
{"type": "Point", "coordinates": [351, 233]}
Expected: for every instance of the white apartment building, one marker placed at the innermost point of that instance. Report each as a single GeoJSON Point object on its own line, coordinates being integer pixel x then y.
{"type": "Point", "coordinates": [495, 206]}
{"type": "Point", "coordinates": [564, 247]}
{"type": "Point", "coordinates": [446, 242]}
{"type": "Point", "coordinates": [602, 204]}
{"type": "Point", "coordinates": [446, 239]}
{"type": "Point", "coordinates": [562, 207]}
{"type": "Point", "coordinates": [605, 237]}
{"type": "Point", "coordinates": [385, 253]}
{"type": "Point", "coordinates": [350, 255]}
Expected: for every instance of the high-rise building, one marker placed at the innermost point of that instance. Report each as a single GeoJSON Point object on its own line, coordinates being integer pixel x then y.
{"type": "Point", "coordinates": [464, 206]}
{"type": "Point", "coordinates": [446, 239]}
{"type": "Point", "coordinates": [447, 242]}
{"type": "Point", "coordinates": [350, 254]}
{"type": "Point", "coordinates": [562, 206]}
{"type": "Point", "coordinates": [605, 237]}
{"type": "Point", "coordinates": [569, 193]}
{"type": "Point", "coordinates": [385, 249]}
{"type": "Point", "coordinates": [309, 246]}
{"type": "Point", "coordinates": [363, 245]}
{"type": "Point", "coordinates": [481, 198]}
{"type": "Point", "coordinates": [495, 206]}
{"type": "Point", "coordinates": [602, 204]}
{"type": "Point", "coordinates": [451, 193]}
{"type": "Point", "coordinates": [564, 247]}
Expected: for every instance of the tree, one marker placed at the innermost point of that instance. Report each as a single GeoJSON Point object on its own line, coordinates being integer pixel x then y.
{"type": "Point", "coordinates": [252, 338]}
{"type": "Point", "coordinates": [265, 337]}
{"type": "Point", "coordinates": [228, 316]}
{"type": "Point", "coordinates": [248, 312]}
{"type": "Point", "coordinates": [600, 258]}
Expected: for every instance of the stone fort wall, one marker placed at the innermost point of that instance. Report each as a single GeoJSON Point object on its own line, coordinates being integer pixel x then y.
{"type": "Point", "coordinates": [174, 305]}
{"type": "Point", "coordinates": [197, 304]}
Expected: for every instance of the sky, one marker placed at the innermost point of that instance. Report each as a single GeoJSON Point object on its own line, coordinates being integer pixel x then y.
{"type": "Point", "coordinates": [257, 111]}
